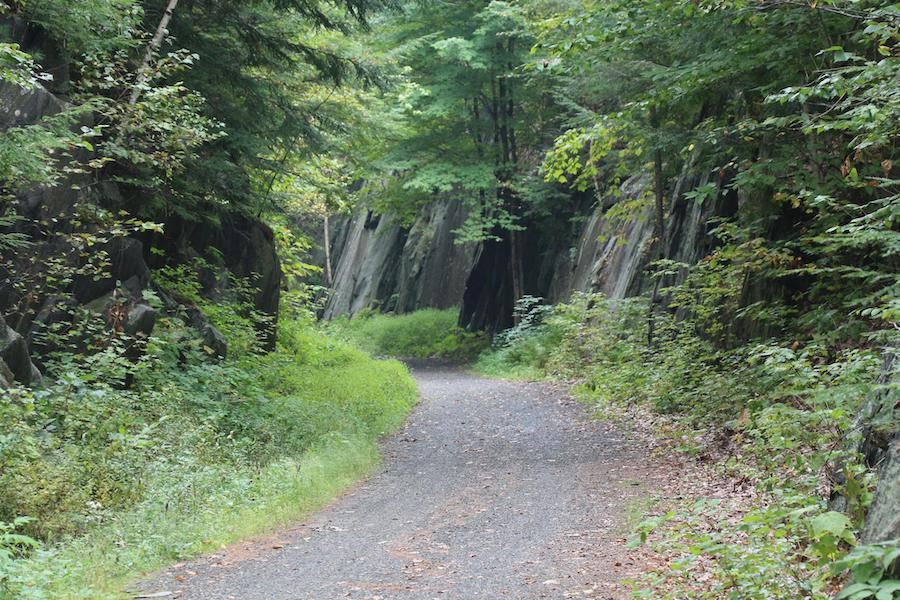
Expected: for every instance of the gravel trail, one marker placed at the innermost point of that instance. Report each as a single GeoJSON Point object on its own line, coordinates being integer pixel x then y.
{"type": "Point", "coordinates": [493, 489]}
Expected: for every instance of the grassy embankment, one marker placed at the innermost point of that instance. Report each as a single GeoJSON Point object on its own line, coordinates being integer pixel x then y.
{"type": "Point", "coordinates": [194, 454]}
{"type": "Point", "coordinates": [427, 333]}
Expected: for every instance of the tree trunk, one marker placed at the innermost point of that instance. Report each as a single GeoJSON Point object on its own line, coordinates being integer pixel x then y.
{"type": "Point", "coordinates": [510, 110]}
{"type": "Point", "coordinates": [515, 259]}
{"type": "Point", "coordinates": [659, 189]}
{"type": "Point", "coordinates": [476, 115]}
{"type": "Point", "coordinates": [329, 276]}
{"type": "Point", "coordinates": [503, 127]}
{"type": "Point", "coordinates": [152, 48]}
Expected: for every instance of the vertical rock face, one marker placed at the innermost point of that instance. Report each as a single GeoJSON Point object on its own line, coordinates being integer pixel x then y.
{"type": "Point", "coordinates": [433, 267]}
{"type": "Point", "coordinates": [881, 446]}
{"type": "Point", "coordinates": [487, 301]}
{"type": "Point", "coordinates": [15, 358]}
{"type": "Point", "coordinates": [368, 251]}
{"type": "Point", "coordinates": [609, 255]}
{"type": "Point", "coordinates": [378, 263]}
{"type": "Point", "coordinates": [246, 245]}
{"type": "Point", "coordinates": [20, 107]}
{"type": "Point", "coordinates": [883, 518]}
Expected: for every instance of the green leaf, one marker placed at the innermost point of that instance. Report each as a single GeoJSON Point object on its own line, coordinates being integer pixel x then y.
{"type": "Point", "coordinates": [887, 590]}
{"type": "Point", "coordinates": [831, 522]}
{"type": "Point", "coordinates": [854, 589]}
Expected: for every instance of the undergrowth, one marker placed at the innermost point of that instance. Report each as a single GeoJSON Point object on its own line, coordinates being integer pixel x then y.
{"type": "Point", "coordinates": [426, 333]}
{"type": "Point", "coordinates": [776, 417]}
{"type": "Point", "coordinates": [120, 465]}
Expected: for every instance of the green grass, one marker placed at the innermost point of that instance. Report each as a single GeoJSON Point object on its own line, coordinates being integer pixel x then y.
{"type": "Point", "coordinates": [236, 505]}
{"type": "Point", "coordinates": [236, 450]}
{"type": "Point", "coordinates": [426, 333]}
{"type": "Point", "coordinates": [524, 360]}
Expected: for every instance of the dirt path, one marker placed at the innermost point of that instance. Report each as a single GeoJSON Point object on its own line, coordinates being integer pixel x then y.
{"type": "Point", "coordinates": [492, 490]}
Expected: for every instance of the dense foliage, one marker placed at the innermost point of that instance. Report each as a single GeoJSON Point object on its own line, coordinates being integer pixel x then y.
{"type": "Point", "coordinates": [191, 454]}
{"type": "Point", "coordinates": [232, 89]}
{"type": "Point", "coordinates": [786, 110]}
{"type": "Point", "coordinates": [127, 125]}
{"type": "Point", "coordinates": [780, 118]}
{"type": "Point", "coordinates": [797, 119]}
{"type": "Point", "coordinates": [774, 417]}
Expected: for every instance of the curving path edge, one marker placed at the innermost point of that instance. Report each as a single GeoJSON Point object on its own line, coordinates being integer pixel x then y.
{"type": "Point", "coordinates": [493, 489]}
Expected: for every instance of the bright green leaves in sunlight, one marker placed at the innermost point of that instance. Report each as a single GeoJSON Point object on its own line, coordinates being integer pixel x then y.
{"type": "Point", "coordinates": [781, 106]}
{"type": "Point", "coordinates": [469, 117]}
{"type": "Point", "coordinates": [18, 67]}
{"type": "Point", "coordinates": [460, 51]}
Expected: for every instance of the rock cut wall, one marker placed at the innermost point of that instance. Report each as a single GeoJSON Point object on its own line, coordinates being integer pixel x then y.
{"type": "Point", "coordinates": [381, 264]}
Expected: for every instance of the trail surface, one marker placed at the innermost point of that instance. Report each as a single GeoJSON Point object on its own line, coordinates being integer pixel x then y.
{"type": "Point", "coordinates": [493, 489]}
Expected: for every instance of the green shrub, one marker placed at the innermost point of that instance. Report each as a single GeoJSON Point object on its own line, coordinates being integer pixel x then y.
{"type": "Point", "coordinates": [191, 454]}
{"type": "Point", "coordinates": [13, 546]}
{"type": "Point", "coordinates": [871, 567]}
{"type": "Point", "coordinates": [426, 333]}
{"type": "Point", "coordinates": [786, 409]}
{"type": "Point", "coordinates": [234, 314]}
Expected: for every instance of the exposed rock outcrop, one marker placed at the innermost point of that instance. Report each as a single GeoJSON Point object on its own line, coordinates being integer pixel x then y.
{"type": "Point", "coordinates": [433, 266]}
{"type": "Point", "coordinates": [212, 337]}
{"type": "Point", "coordinates": [16, 358]}
{"type": "Point", "coordinates": [369, 250]}
{"type": "Point", "coordinates": [880, 445]}
{"type": "Point", "coordinates": [609, 255]}
{"type": "Point", "coordinates": [126, 258]}
{"type": "Point", "coordinates": [381, 264]}
{"type": "Point", "coordinates": [883, 518]}
{"type": "Point", "coordinates": [241, 246]}
{"type": "Point", "coordinates": [6, 376]}
{"type": "Point", "coordinates": [141, 320]}
{"type": "Point", "coordinates": [245, 246]}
